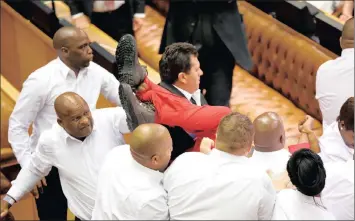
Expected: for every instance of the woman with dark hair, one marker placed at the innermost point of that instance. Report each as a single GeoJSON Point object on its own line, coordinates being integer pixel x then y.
{"type": "Point", "coordinates": [337, 141]}
{"type": "Point", "coordinates": [306, 171]}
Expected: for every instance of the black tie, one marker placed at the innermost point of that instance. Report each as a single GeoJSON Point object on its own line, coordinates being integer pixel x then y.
{"type": "Point", "coordinates": [193, 101]}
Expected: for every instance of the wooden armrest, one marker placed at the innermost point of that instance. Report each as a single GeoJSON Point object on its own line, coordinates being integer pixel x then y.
{"type": "Point", "coordinates": [6, 153]}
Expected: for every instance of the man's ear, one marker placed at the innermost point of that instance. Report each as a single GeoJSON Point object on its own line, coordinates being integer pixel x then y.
{"type": "Point", "coordinates": [282, 139]}
{"type": "Point", "coordinates": [60, 122]}
{"type": "Point", "coordinates": [64, 50]}
{"type": "Point", "coordinates": [340, 40]}
{"type": "Point", "coordinates": [182, 77]}
{"type": "Point", "coordinates": [342, 125]}
{"type": "Point", "coordinates": [155, 159]}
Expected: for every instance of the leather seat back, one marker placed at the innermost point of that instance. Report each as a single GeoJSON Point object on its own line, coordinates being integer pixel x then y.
{"type": "Point", "coordinates": [284, 59]}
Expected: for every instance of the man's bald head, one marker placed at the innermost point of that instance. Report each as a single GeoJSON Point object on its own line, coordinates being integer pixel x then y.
{"type": "Point", "coordinates": [347, 36]}
{"type": "Point", "coordinates": [73, 47]}
{"type": "Point", "coordinates": [73, 114]}
{"type": "Point", "coordinates": [67, 102]}
{"type": "Point", "coordinates": [64, 35]}
{"type": "Point", "coordinates": [269, 132]}
{"type": "Point", "coordinates": [151, 145]}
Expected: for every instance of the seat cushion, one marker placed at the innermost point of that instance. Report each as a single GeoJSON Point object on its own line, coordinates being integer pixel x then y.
{"type": "Point", "coordinates": [252, 97]}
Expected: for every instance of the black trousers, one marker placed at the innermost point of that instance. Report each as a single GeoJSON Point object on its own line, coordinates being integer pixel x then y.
{"type": "Point", "coordinates": [116, 23]}
{"type": "Point", "coordinates": [216, 62]}
{"type": "Point", "coordinates": [52, 204]}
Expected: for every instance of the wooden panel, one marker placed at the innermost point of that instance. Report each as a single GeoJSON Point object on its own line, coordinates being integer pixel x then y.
{"type": "Point", "coordinates": [9, 95]}
{"type": "Point", "coordinates": [25, 209]}
{"type": "Point", "coordinates": [24, 48]}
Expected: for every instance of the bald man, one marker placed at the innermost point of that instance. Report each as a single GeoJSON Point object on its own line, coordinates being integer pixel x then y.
{"type": "Point", "coordinates": [269, 143]}
{"type": "Point", "coordinates": [335, 78]}
{"type": "Point", "coordinates": [130, 182]}
{"type": "Point", "coordinates": [76, 144]}
{"type": "Point", "coordinates": [222, 185]}
{"type": "Point", "coordinates": [73, 70]}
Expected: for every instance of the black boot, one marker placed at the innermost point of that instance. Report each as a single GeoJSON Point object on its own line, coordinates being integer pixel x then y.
{"type": "Point", "coordinates": [137, 112]}
{"type": "Point", "coordinates": [129, 69]}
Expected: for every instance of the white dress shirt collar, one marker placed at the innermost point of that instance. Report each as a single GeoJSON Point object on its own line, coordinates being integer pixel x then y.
{"type": "Point", "coordinates": [227, 156]}
{"type": "Point", "coordinates": [196, 95]}
{"type": "Point", "coordinates": [156, 175]}
{"type": "Point", "coordinates": [64, 134]}
{"type": "Point", "coordinates": [347, 51]}
{"type": "Point", "coordinates": [309, 199]}
{"type": "Point", "coordinates": [65, 70]}
{"type": "Point", "coordinates": [332, 134]}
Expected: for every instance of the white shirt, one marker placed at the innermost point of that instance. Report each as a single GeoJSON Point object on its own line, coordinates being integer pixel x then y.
{"type": "Point", "coordinates": [333, 147]}
{"type": "Point", "coordinates": [218, 186]}
{"type": "Point", "coordinates": [276, 161]}
{"type": "Point", "coordinates": [328, 6]}
{"type": "Point", "coordinates": [101, 6]}
{"type": "Point", "coordinates": [293, 205]}
{"type": "Point", "coordinates": [36, 101]}
{"type": "Point", "coordinates": [334, 85]}
{"type": "Point", "coordinates": [78, 162]}
{"type": "Point", "coordinates": [196, 95]}
{"type": "Point", "coordinates": [338, 194]}
{"type": "Point", "coordinates": [127, 190]}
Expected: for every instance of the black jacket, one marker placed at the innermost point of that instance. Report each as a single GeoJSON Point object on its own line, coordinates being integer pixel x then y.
{"type": "Point", "coordinates": [225, 18]}
{"type": "Point", "coordinates": [86, 6]}
{"type": "Point", "coordinates": [181, 140]}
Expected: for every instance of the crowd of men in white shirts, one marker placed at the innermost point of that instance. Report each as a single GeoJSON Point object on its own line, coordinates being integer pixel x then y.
{"type": "Point", "coordinates": [249, 174]}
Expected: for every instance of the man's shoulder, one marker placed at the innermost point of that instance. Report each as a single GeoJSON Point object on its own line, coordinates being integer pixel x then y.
{"type": "Point", "coordinates": [44, 71]}
{"type": "Point", "coordinates": [340, 171]}
{"type": "Point", "coordinates": [324, 68]}
{"type": "Point", "coordinates": [107, 113]}
{"type": "Point", "coordinates": [188, 160]}
{"type": "Point", "coordinates": [50, 136]}
{"type": "Point", "coordinates": [96, 67]}
{"type": "Point", "coordinates": [121, 151]}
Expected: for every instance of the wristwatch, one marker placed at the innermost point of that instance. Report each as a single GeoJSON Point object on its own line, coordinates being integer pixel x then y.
{"type": "Point", "coordinates": [9, 199]}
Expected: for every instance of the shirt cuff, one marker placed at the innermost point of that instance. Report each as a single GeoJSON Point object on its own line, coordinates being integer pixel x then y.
{"type": "Point", "coordinates": [139, 15]}
{"type": "Point", "coordinates": [15, 193]}
{"type": "Point", "coordinates": [23, 184]}
{"type": "Point", "coordinates": [77, 15]}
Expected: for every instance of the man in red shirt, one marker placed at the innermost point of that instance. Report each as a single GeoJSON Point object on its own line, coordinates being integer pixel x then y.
{"type": "Point", "coordinates": [169, 109]}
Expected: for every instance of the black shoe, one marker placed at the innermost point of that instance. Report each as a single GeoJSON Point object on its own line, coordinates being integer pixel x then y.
{"type": "Point", "coordinates": [129, 69]}
{"type": "Point", "coordinates": [137, 112]}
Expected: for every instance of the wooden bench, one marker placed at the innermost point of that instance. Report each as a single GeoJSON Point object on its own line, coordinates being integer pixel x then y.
{"type": "Point", "coordinates": [25, 209]}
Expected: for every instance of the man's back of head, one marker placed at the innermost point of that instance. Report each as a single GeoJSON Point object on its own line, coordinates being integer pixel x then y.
{"type": "Point", "coordinates": [347, 36]}
{"type": "Point", "coordinates": [269, 132]}
{"type": "Point", "coordinates": [151, 146]}
{"type": "Point", "coordinates": [235, 134]}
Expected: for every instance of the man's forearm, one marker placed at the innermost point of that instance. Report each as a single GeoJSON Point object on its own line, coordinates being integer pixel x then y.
{"type": "Point", "coordinates": [313, 142]}
{"type": "Point", "coordinates": [23, 184]}
{"type": "Point", "coordinates": [348, 8]}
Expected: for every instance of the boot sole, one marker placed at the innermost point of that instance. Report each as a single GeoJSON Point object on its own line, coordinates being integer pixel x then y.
{"type": "Point", "coordinates": [126, 64]}
{"type": "Point", "coordinates": [131, 120]}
